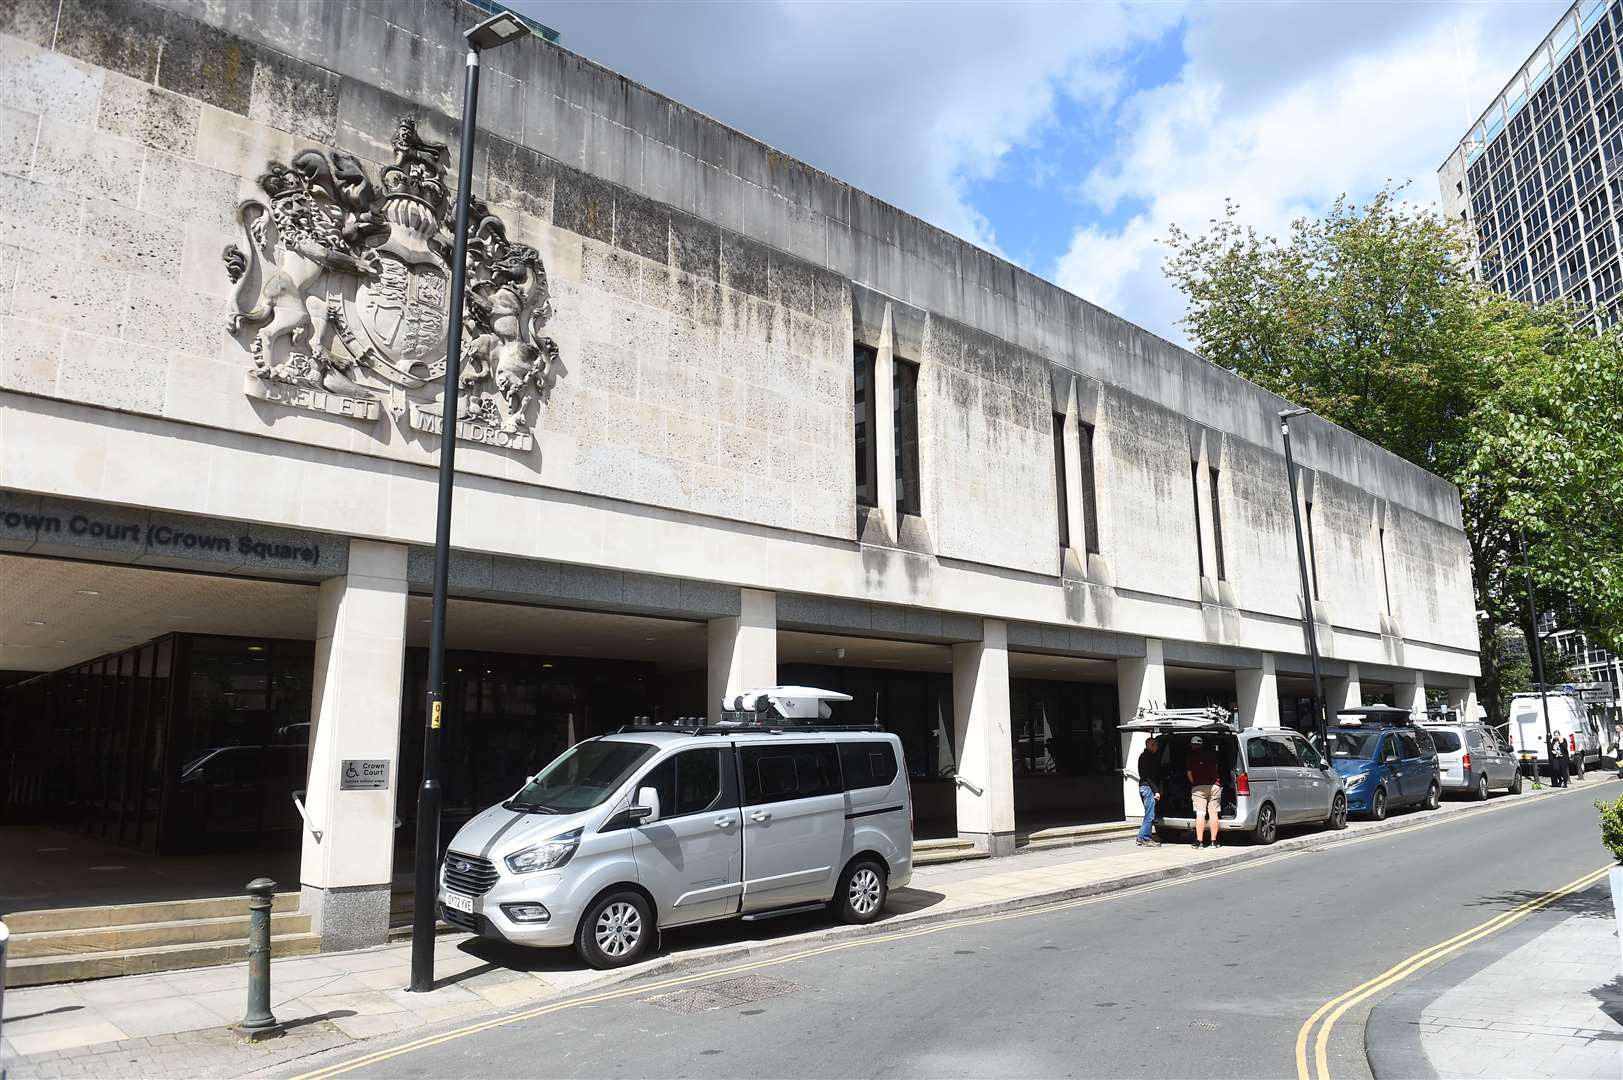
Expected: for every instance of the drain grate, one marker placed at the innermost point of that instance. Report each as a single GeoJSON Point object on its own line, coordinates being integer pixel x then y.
{"type": "Point", "coordinates": [727, 994]}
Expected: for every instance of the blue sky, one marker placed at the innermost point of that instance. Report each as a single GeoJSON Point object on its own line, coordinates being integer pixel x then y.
{"type": "Point", "coordinates": [1070, 136]}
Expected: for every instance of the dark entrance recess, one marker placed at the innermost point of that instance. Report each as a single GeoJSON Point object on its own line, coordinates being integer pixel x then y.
{"type": "Point", "coordinates": [917, 706]}
{"type": "Point", "coordinates": [1067, 753]}
{"type": "Point", "coordinates": [508, 715]}
{"type": "Point", "coordinates": [184, 744]}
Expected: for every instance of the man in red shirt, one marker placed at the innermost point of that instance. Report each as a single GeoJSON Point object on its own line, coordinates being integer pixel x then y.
{"type": "Point", "coordinates": [1200, 766]}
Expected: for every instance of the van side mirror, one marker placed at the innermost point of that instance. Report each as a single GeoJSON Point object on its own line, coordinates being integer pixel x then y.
{"type": "Point", "coordinates": [645, 811]}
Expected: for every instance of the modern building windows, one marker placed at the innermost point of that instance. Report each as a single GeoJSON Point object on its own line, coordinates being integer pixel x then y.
{"type": "Point", "coordinates": [1090, 500]}
{"type": "Point", "coordinates": [1061, 501]}
{"type": "Point", "coordinates": [1200, 543]}
{"type": "Point", "coordinates": [1217, 528]}
{"type": "Point", "coordinates": [905, 381]}
{"type": "Point", "coordinates": [867, 472]}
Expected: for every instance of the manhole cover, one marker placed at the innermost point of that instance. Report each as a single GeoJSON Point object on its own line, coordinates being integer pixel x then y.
{"type": "Point", "coordinates": [727, 994]}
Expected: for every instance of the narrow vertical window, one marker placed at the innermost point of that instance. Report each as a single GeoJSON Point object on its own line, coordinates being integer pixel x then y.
{"type": "Point", "coordinates": [1217, 529]}
{"type": "Point", "coordinates": [905, 381]}
{"type": "Point", "coordinates": [863, 399]}
{"type": "Point", "coordinates": [1194, 488]}
{"type": "Point", "coordinates": [1312, 550]}
{"type": "Point", "coordinates": [1386, 584]}
{"type": "Point", "coordinates": [1061, 499]}
{"type": "Point", "coordinates": [1090, 500]}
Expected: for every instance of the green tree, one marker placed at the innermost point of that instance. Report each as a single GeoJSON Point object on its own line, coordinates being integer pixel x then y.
{"type": "Point", "coordinates": [1370, 317]}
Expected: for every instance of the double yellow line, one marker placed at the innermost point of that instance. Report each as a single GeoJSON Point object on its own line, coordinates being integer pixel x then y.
{"type": "Point", "coordinates": [642, 989]}
{"type": "Point", "coordinates": [1327, 1014]}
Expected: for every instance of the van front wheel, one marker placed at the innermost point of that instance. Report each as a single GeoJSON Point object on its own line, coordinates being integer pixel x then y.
{"type": "Point", "coordinates": [616, 930]}
{"type": "Point", "coordinates": [862, 893]}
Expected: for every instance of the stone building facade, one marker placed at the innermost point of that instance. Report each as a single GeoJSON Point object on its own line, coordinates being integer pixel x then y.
{"type": "Point", "coordinates": [693, 363]}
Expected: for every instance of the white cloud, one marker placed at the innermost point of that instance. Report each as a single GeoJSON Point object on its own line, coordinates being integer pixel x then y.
{"type": "Point", "coordinates": [1283, 109]}
{"type": "Point", "coordinates": [911, 102]}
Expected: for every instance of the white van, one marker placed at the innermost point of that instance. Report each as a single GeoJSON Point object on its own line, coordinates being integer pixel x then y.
{"type": "Point", "coordinates": [1568, 719]}
{"type": "Point", "coordinates": [773, 811]}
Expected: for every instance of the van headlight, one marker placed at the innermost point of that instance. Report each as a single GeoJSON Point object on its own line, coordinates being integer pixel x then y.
{"type": "Point", "coordinates": [1357, 778]}
{"type": "Point", "coordinates": [548, 855]}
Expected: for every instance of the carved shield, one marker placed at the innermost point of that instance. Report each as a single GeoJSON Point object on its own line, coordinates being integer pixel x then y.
{"type": "Point", "coordinates": [403, 315]}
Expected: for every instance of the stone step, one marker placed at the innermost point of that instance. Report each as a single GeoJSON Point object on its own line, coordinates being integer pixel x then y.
{"type": "Point", "coordinates": [950, 843]}
{"type": "Point", "coordinates": [161, 911]}
{"type": "Point", "coordinates": [103, 939]}
{"type": "Point", "coordinates": [41, 970]}
{"type": "Point", "coordinates": [936, 856]}
{"type": "Point", "coordinates": [1087, 834]}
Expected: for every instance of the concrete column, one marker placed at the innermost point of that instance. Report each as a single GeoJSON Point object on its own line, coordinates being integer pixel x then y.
{"type": "Point", "coordinates": [1075, 512]}
{"type": "Point", "coordinates": [1411, 695]}
{"type": "Point", "coordinates": [1470, 700]}
{"type": "Point", "coordinates": [1203, 513]}
{"type": "Point", "coordinates": [980, 708]}
{"type": "Point", "coordinates": [355, 712]}
{"type": "Point", "coordinates": [1141, 682]}
{"type": "Point", "coordinates": [884, 425]}
{"type": "Point", "coordinates": [743, 651]}
{"type": "Point", "coordinates": [1258, 694]}
{"type": "Point", "coordinates": [1343, 693]}
{"type": "Point", "coordinates": [1458, 701]}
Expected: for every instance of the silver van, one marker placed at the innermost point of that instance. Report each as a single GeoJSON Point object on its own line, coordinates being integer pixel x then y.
{"type": "Point", "coordinates": [1471, 758]}
{"type": "Point", "coordinates": [1270, 776]}
{"type": "Point", "coordinates": [771, 812]}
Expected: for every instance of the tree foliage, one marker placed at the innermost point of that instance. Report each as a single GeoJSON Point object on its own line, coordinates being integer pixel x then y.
{"type": "Point", "coordinates": [1370, 317]}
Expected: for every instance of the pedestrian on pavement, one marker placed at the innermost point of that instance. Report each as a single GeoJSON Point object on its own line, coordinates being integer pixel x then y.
{"type": "Point", "coordinates": [1149, 789]}
{"type": "Point", "coordinates": [1558, 760]}
{"type": "Point", "coordinates": [1200, 766]}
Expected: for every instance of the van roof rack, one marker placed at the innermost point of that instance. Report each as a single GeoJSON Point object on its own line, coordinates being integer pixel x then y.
{"type": "Point", "coordinates": [745, 729]}
{"type": "Point", "coordinates": [1375, 716]}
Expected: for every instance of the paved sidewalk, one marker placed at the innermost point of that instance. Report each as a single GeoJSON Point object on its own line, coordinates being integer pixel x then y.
{"type": "Point", "coordinates": [1549, 1008]}
{"type": "Point", "coordinates": [175, 1023]}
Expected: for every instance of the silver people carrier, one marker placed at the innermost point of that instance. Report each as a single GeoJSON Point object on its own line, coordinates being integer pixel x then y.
{"type": "Point", "coordinates": [773, 810]}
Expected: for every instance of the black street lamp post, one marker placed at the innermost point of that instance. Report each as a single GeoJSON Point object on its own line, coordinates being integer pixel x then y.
{"type": "Point", "coordinates": [496, 30]}
{"type": "Point", "coordinates": [1537, 650]}
{"type": "Point", "coordinates": [1321, 716]}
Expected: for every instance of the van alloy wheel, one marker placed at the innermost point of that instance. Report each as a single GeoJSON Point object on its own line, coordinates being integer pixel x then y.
{"type": "Point", "coordinates": [1516, 784]}
{"type": "Point", "coordinates": [1433, 797]}
{"type": "Point", "coordinates": [1482, 788]}
{"type": "Point", "coordinates": [863, 892]}
{"type": "Point", "coordinates": [1338, 813]}
{"type": "Point", "coordinates": [1377, 806]}
{"type": "Point", "coordinates": [1267, 827]}
{"type": "Point", "coordinates": [618, 929]}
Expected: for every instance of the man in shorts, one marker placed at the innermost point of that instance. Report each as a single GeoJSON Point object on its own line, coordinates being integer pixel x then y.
{"type": "Point", "coordinates": [1200, 766]}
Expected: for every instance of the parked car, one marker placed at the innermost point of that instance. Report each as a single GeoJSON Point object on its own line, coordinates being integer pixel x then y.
{"type": "Point", "coordinates": [1386, 760]}
{"type": "Point", "coordinates": [1569, 721]}
{"type": "Point", "coordinates": [1472, 758]}
{"type": "Point", "coordinates": [624, 835]}
{"type": "Point", "coordinates": [1270, 776]}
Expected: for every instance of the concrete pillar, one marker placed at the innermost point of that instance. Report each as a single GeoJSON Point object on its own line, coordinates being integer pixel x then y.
{"type": "Point", "coordinates": [1411, 695]}
{"type": "Point", "coordinates": [1343, 693]}
{"type": "Point", "coordinates": [980, 708]}
{"type": "Point", "coordinates": [744, 650]}
{"type": "Point", "coordinates": [354, 744]}
{"type": "Point", "coordinates": [1470, 700]}
{"type": "Point", "coordinates": [1141, 682]}
{"type": "Point", "coordinates": [1258, 694]}
{"type": "Point", "coordinates": [1075, 512]}
{"type": "Point", "coordinates": [1203, 515]}
{"type": "Point", "coordinates": [1458, 701]}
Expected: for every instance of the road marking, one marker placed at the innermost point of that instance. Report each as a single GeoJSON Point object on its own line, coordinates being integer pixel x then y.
{"type": "Point", "coordinates": [1332, 1010]}
{"type": "Point", "coordinates": [642, 989]}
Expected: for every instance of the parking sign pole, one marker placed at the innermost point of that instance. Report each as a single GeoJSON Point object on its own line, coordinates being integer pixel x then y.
{"type": "Point", "coordinates": [1537, 649]}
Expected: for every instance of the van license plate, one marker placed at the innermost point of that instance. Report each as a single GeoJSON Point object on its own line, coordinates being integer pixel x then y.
{"type": "Point", "coordinates": [463, 904]}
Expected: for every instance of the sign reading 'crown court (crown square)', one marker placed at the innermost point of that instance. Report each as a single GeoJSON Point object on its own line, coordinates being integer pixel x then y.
{"type": "Point", "coordinates": [342, 297]}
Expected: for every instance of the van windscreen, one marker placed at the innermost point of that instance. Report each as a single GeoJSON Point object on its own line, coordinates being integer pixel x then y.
{"type": "Point", "coordinates": [581, 778]}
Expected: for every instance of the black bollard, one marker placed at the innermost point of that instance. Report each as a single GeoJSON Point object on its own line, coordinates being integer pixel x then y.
{"type": "Point", "coordinates": [258, 1023]}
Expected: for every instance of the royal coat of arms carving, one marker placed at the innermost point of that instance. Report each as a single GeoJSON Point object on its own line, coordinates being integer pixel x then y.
{"type": "Point", "coordinates": [341, 295]}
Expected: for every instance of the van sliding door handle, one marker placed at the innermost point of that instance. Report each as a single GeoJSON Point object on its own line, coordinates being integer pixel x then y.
{"type": "Point", "coordinates": [761, 815]}
{"type": "Point", "coordinates": [723, 822]}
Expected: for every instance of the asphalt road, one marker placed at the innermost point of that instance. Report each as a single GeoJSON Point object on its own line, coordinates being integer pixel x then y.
{"type": "Point", "coordinates": [1208, 977]}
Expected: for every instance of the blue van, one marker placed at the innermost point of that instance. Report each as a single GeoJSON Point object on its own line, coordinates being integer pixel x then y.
{"type": "Point", "coordinates": [1387, 761]}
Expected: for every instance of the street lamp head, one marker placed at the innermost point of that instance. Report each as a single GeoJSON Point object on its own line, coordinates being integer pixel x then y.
{"type": "Point", "coordinates": [1286, 414]}
{"type": "Point", "coordinates": [499, 29]}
